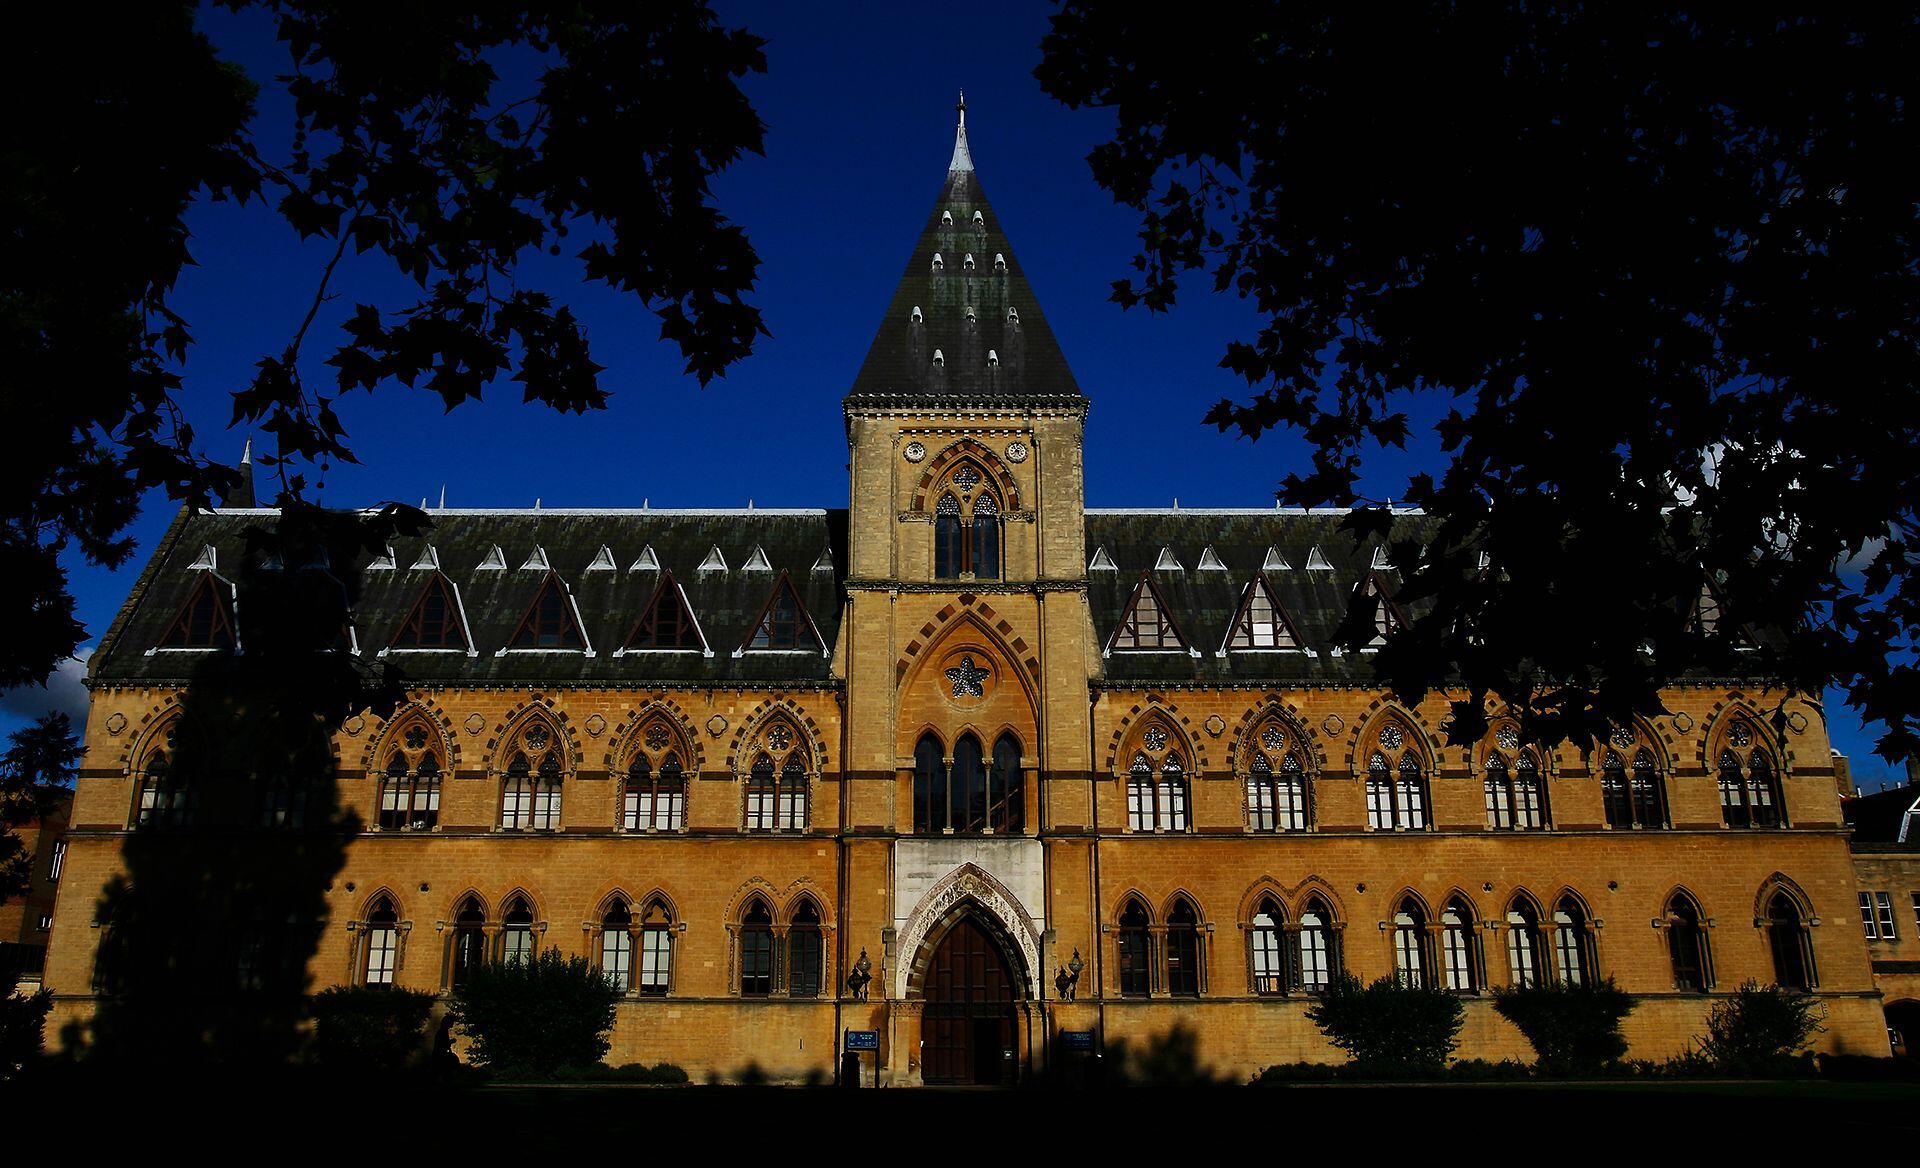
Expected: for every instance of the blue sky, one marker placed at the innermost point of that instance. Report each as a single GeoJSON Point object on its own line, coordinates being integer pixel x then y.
{"type": "Point", "coordinates": [858, 100]}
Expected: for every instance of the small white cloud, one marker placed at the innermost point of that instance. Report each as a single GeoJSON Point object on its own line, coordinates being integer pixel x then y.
{"type": "Point", "coordinates": [63, 692]}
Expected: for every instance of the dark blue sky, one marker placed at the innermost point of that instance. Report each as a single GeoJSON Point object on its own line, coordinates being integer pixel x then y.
{"type": "Point", "coordinates": [858, 101]}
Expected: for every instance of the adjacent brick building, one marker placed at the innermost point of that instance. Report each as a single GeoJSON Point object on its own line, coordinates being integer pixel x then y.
{"type": "Point", "coordinates": [1016, 765]}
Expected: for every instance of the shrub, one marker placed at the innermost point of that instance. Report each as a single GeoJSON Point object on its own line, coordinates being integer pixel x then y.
{"type": "Point", "coordinates": [23, 1028]}
{"type": "Point", "coordinates": [536, 1016]}
{"type": "Point", "coordinates": [1387, 1028]}
{"type": "Point", "coordinates": [1575, 1029]}
{"type": "Point", "coordinates": [1762, 1030]}
{"type": "Point", "coordinates": [361, 1028]}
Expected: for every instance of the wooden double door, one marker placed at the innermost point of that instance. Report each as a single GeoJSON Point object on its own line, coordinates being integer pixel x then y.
{"type": "Point", "coordinates": [967, 1024]}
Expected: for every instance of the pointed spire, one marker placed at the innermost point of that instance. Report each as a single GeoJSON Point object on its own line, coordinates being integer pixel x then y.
{"type": "Point", "coordinates": [962, 157]}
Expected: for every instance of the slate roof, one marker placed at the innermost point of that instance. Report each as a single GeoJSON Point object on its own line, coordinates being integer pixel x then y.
{"type": "Point", "coordinates": [902, 362]}
{"type": "Point", "coordinates": [1204, 602]}
{"type": "Point", "coordinates": [1883, 817]}
{"type": "Point", "coordinates": [810, 545]}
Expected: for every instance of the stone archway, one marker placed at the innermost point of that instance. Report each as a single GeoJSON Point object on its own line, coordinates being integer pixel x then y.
{"type": "Point", "coordinates": [967, 889]}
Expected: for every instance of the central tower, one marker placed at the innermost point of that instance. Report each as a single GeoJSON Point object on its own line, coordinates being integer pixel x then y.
{"type": "Point", "coordinates": [968, 641]}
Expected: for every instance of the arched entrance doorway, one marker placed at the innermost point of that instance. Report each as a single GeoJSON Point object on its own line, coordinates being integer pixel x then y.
{"type": "Point", "coordinates": [967, 1026]}
{"type": "Point", "coordinates": [1903, 1028]}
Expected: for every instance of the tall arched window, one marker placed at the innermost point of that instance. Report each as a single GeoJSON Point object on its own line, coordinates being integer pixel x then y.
{"type": "Point", "coordinates": [967, 786]}
{"type": "Point", "coordinates": [1457, 941]}
{"type": "Point", "coordinates": [929, 785]}
{"type": "Point", "coordinates": [1396, 787]}
{"type": "Point", "coordinates": [1789, 943]}
{"type": "Point", "coordinates": [1140, 794]}
{"type": "Point", "coordinates": [1319, 947]}
{"type": "Point", "coordinates": [1172, 794]}
{"type": "Point", "coordinates": [655, 800]}
{"type": "Point", "coordinates": [966, 527]}
{"type": "Point", "coordinates": [516, 935]}
{"type": "Point", "coordinates": [410, 788]}
{"type": "Point", "coordinates": [804, 952]}
{"type": "Point", "coordinates": [949, 554]}
{"type": "Point", "coordinates": [1157, 781]}
{"type": "Point", "coordinates": [985, 551]}
{"type": "Point", "coordinates": [1006, 788]}
{"type": "Point", "coordinates": [756, 950]}
{"type": "Point", "coordinates": [1410, 944]}
{"type": "Point", "coordinates": [469, 946]}
{"type": "Point", "coordinates": [1276, 791]}
{"type": "Point", "coordinates": [1516, 800]}
{"type": "Point", "coordinates": [1183, 951]}
{"type": "Point", "coordinates": [778, 783]}
{"type": "Point", "coordinates": [165, 799]}
{"type": "Point", "coordinates": [1749, 790]}
{"type": "Point", "coordinates": [382, 944]}
{"type": "Point", "coordinates": [1572, 943]}
{"type": "Point", "coordinates": [1135, 948]}
{"type": "Point", "coordinates": [1265, 942]}
{"type": "Point", "coordinates": [1525, 954]}
{"type": "Point", "coordinates": [656, 950]}
{"type": "Point", "coordinates": [616, 946]}
{"type": "Point", "coordinates": [531, 797]}
{"type": "Point", "coordinates": [1687, 945]}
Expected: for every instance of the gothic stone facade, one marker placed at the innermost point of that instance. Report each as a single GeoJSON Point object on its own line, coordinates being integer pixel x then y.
{"type": "Point", "coordinates": [1032, 767]}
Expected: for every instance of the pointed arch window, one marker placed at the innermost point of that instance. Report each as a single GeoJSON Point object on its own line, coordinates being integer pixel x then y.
{"type": "Point", "coordinates": [762, 795]}
{"type": "Point", "coordinates": [1184, 953]}
{"type": "Point", "coordinates": [1277, 795]}
{"type": "Point", "coordinates": [656, 950]}
{"type": "Point", "coordinates": [984, 538]}
{"type": "Point", "coordinates": [1172, 794]}
{"type": "Point", "coordinates": [1635, 801]}
{"type": "Point", "coordinates": [654, 799]}
{"type": "Point", "coordinates": [550, 621]}
{"type": "Point", "coordinates": [1135, 949]}
{"type": "Point", "coordinates": [966, 527]}
{"type": "Point", "coordinates": [1524, 949]}
{"type": "Point", "coordinates": [1749, 790]}
{"type": "Point", "coordinates": [1687, 945]}
{"type": "Point", "coordinates": [1457, 948]}
{"type": "Point", "coordinates": [382, 945]}
{"type": "Point", "coordinates": [205, 621]}
{"type": "Point", "coordinates": [1147, 624]}
{"type": "Point", "coordinates": [1140, 816]}
{"type": "Point", "coordinates": [616, 946]}
{"type": "Point", "coordinates": [1319, 947]}
{"type": "Point", "coordinates": [469, 944]}
{"type": "Point", "coordinates": [1572, 943]}
{"type": "Point", "coordinates": [1514, 795]}
{"type": "Point", "coordinates": [1006, 788]}
{"type": "Point", "coordinates": [1396, 787]}
{"type": "Point", "coordinates": [1266, 943]}
{"type": "Point", "coordinates": [516, 935]}
{"type": "Point", "coordinates": [531, 799]}
{"type": "Point", "coordinates": [434, 621]}
{"type": "Point", "coordinates": [756, 950]}
{"type": "Point", "coordinates": [929, 785]}
{"type": "Point", "coordinates": [410, 784]}
{"type": "Point", "coordinates": [165, 799]}
{"type": "Point", "coordinates": [804, 952]}
{"type": "Point", "coordinates": [1410, 945]}
{"type": "Point", "coordinates": [967, 786]}
{"type": "Point", "coordinates": [1790, 944]}
{"type": "Point", "coordinates": [778, 783]}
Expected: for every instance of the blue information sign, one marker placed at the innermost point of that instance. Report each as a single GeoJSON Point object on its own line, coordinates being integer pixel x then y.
{"type": "Point", "coordinates": [863, 1040]}
{"type": "Point", "coordinates": [1076, 1040]}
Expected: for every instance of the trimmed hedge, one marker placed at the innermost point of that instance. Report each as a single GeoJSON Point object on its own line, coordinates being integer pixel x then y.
{"type": "Point", "coordinates": [1574, 1029]}
{"type": "Point", "coordinates": [361, 1028]}
{"type": "Point", "coordinates": [1389, 1029]}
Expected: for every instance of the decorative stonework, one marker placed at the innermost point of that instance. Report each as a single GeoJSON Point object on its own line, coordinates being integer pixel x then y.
{"type": "Point", "coordinates": [1016, 451]}
{"type": "Point", "coordinates": [915, 452]}
{"type": "Point", "coordinates": [116, 724]}
{"type": "Point", "coordinates": [716, 725]}
{"type": "Point", "coordinates": [1682, 722]}
{"type": "Point", "coordinates": [475, 723]}
{"type": "Point", "coordinates": [355, 725]}
{"type": "Point", "coordinates": [1216, 725]}
{"type": "Point", "coordinates": [596, 725]}
{"type": "Point", "coordinates": [1798, 722]}
{"type": "Point", "coordinates": [965, 883]}
{"type": "Point", "coordinates": [1333, 724]}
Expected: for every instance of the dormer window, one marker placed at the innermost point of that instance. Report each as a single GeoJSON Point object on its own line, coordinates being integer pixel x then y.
{"type": "Point", "coordinates": [999, 262]}
{"type": "Point", "coordinates": [946, 218]}
{"type": "Point", "coordinates": [939, 358]}
{"type": "Point", "coordinates": [969, 313]}
{"type": "Point", "coordinates": [979, 220]}
{"type": "Point", "coordinates": [916, 318]}
{"type": "Point", "coordinates": [967, 264]}
{"type": "Point", "coordinates": [993, 358]}
{"type": "Point", "coordinates": [938, 264]}
{"type": "Point", "coordinates": [1013, 315]}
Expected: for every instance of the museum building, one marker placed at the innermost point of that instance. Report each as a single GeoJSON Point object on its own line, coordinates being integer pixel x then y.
{"type": "Point", "coordinates": [968, 763]}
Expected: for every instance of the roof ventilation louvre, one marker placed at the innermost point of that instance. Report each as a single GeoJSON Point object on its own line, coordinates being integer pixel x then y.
{"type": "Point", "coordinates": [979, 220]}
{"type": "Point", "coordinates": [1101, 562]}
{"type": "Point", "coordinates": [1317, 562]}
{"type": "Point", "coordinates": [207, 560]}
{"type": "Point", "coordinates": [603, 560]}
{"type": "Point", "coordinates": [429, 559]}
{"type": "Point", "coordinates": [968, 312]}
{"type": "Point", "coordinates": [946, 218]}
{"type": "Point", "coordinates": [383, 563]}
{"type": "Point", "coordinates": [993, 358]}
{"type": "Point", "coordinates": [1274, 562]}
{"type": "Point", "coordinates": [966, 265]}
{"type": "Point", "coordinates": [999, 262]}
{"type": "Point", "coordinates": [1166, 562]}
{"type": "Point", "coordinates": [825, 562]}
{"type": "Point", "coordinates": [1486, 561]}
{"type": "Point", "coordinates": [495, 561]}
{"type": "Point", "coordinates": [648, 561]}
{"type": "Point", "coordinates": [1013, 315]}
{"type": "Point", "coordinates": [715, 562]}
{"type": "Point", "coordinates": [537, 561]}
{"type": "Point", "coordinates": [1380, 560]}
{"type": "Point", "coordinates": [939, 358]}
{"type": "Point", "coordinates": [757, 561]}
{"type": "Point", "coordinates": [1210, 562]}
{"type": "Point", "coordinates": [938, 263]}
{"type": "Point", "coordinates": [915, 317]}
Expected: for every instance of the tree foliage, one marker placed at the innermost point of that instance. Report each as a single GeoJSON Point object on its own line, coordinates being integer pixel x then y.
{"type": "Point", "coordinates": [536, 1016]}
{"type": "Point", "coordinates": [39, 762]}
{"type": "Point", "coordinates": [1653, 270]}
{"type": "Point", "coordinates": [1761, 1030]}
{"type": "Point", "coordinates": [408, 149]}
{"type": "Point", "coordinates": [366, 1028]}
{"type": "Point", "coordinates": [1388, 1028]}
{"type": "Point", "coordinates": [1575, 1029]}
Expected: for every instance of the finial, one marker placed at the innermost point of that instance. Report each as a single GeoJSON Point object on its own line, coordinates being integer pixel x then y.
{"type": "Point", "coordinates": [246, 452]}
{"type": "Point", "coordinates": [962, 157]}
{"type": "Point", "coordinates": [443, 496]}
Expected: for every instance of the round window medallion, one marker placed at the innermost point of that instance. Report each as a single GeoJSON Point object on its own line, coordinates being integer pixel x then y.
{"type": "Point", "coordinates": [596, 725]}
{"type": "Point", "coordinates": [780, 737]}
{"type": "Point", "coordinates": [656, 736]}
{"type": "Point", "coordinates": [915, 452]}
{"type": "Point", "coordinates": [1390, 736]}
{"type": "Point", "coordinates": [1740, 734]}
{"type": "Point", "coordinates": [1797, 720]}
{"type": "Point", "coordinates": [968, 679]}
{"type": "Point", "coordinates": [1621, 737]}
{"type": "Point", "coordinates": [1016, 451]}
{"type": "Point", "coordinates": [1506, 736]}
{"type": "Point", "coordinates": [1155, 738]}
{"type": "Point", "coordinates": [1683, 722]}
{"type": "Point", "coordinates": [537, 737]}
{"type": "Point", "coordinates": [1273, 739]}
{"type": "Point", "coordinates": [416, 738]}
{"type": "Point", "coordinates": [1216, 725]}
